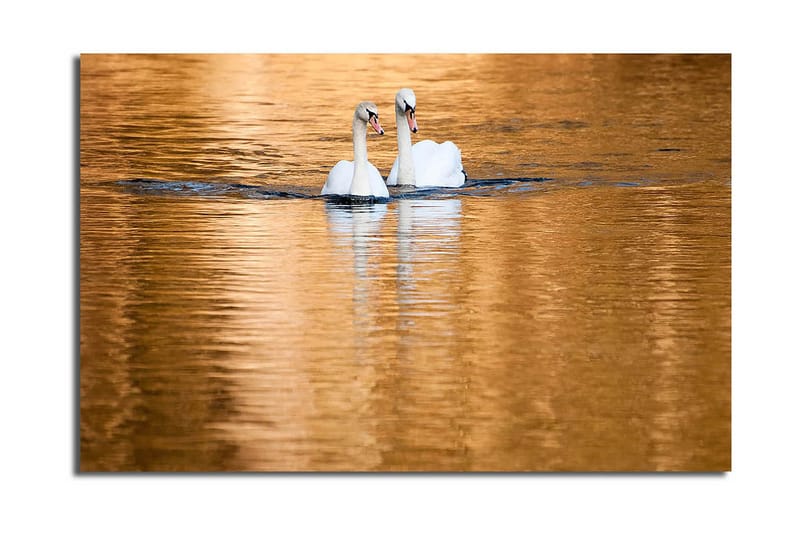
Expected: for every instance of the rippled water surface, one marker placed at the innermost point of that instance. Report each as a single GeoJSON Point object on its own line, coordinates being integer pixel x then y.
{"type": "Point", "coordinates": [568, 309]}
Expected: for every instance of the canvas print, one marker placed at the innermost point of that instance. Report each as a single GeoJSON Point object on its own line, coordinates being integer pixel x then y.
{"type": "Point", "coordinates": [405, 263]}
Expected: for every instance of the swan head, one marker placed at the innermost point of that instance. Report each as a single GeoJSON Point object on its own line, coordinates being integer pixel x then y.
{"type": "Point", "coordinates": [368, 112]}
{"type": "Point", "coordinates": [406, 103]}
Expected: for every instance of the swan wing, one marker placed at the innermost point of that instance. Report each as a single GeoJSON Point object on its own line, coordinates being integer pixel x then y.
{"type": "Point", "coordinates": [339, 179]}
{"type": "Point", "coordinates": [437, 165]}
{"type": "Point", "coordinates": [376, 183]}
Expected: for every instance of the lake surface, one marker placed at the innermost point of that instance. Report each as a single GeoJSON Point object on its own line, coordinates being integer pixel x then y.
{"type": "Point", "coordinates": [568, 309]}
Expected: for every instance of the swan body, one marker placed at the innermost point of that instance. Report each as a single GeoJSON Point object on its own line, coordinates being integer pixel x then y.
{"type": "Point", "coordinates": [340, 180]}
{"type": "Point", "coordinates": [427, 163]}
{"type": "Point", "coordinates": [435, 165]}
{"type": "Point", "coordinates": [358, 177]}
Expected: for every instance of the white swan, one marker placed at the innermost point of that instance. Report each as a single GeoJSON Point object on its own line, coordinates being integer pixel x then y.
{"type": "Point", "coordinates": [427, 163]}
{"type": "Point", "coordinates": [358, 177]}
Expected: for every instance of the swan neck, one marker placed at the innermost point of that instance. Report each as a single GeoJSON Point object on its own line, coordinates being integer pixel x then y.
{"type": "Point", "coordinates": [360, 183]}
{"type": "Point", "coordinates": [405, 160]}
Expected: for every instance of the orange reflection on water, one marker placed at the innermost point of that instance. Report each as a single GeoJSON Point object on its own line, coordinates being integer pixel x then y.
{"type": "Point", "coordinates": [578, 325]}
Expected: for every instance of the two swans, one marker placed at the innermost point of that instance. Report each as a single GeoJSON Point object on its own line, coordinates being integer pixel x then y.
{"type": "Point", "coordinates": [427, 163]}
{"type": "Point", "coordinates": [358, 177]}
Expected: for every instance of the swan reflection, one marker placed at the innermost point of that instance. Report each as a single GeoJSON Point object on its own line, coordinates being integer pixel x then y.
{"type": "Point", "coordinates": [356, 227]}
{"type": "Point", "coordinates": [428, 235]}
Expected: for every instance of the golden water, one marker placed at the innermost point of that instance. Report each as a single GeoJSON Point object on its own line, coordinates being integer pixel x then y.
{"type": "Point", "coordinates": [579, 323]}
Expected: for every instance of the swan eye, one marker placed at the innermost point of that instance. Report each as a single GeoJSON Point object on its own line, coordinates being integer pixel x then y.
{"type": "Point", "coordinates": [371, 114]}
{"type": "Point", "coordinates": [408, 107]}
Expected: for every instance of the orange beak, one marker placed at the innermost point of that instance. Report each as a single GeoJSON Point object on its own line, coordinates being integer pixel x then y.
{"type": "Point", "coordinates": [373, 121]}
{"type": "Point", "coordinates": [412, 121]}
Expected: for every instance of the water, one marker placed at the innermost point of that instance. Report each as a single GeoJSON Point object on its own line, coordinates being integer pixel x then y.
{"type": "Point", "coordinates": [573, 313]}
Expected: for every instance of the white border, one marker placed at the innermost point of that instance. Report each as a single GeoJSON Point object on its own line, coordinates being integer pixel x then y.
{"type": "Point", "coordinates": [42, 492]}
